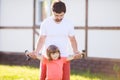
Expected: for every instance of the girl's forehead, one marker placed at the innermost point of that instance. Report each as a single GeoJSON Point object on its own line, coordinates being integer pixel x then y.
{"type": "Point", "coordinates": [54, 52]}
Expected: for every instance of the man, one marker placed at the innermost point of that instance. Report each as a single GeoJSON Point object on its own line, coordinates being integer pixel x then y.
{"type": "Point", "coordinates": [56, 30]}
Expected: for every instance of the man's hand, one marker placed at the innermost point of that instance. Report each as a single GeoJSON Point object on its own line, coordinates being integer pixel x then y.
{"type": "Point", "coordinates": [32, 55]}
{"type": "Point", "coordinates": [79, 55]}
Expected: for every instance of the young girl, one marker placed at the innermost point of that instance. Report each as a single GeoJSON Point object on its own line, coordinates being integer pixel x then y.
{"type": "Point", "coordinates": [54, 62]}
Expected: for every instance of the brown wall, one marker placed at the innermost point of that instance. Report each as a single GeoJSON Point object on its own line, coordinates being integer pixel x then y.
{"type": "Point", "coordinates": [17, 59]}
{"type": "Point", "coordinates": [96, 65]}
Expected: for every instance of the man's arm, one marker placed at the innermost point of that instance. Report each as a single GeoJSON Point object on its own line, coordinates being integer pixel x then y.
{"type": "Point", "coordinates": [73, 43]}
{"type": "Point", "coordinates": [74, 46]}
{"type": "Point", "coordinates": [40, 44]}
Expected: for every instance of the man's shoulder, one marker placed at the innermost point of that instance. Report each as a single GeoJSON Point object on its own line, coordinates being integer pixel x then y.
{"type": "Point", "coordinates": [67, 20]}
{"type": "Point", "coordinates": [47, 19]}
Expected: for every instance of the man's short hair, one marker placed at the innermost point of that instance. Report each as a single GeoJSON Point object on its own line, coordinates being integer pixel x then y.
{"type": "Point", "coordinates": [59, 7]}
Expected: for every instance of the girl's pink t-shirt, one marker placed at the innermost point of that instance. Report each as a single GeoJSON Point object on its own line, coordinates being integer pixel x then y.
{"type": "Point", "coordinates": [54, 68]}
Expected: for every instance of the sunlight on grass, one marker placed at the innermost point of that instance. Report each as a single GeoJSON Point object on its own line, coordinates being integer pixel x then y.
{"type": "Point", "coordinates": [18, 73]}
{"type": "Point", "coordinates": [30, 73]}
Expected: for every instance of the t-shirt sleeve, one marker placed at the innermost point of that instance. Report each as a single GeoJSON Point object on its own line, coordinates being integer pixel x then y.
{"type": "Point", "coordinates": [44, 60]}
{"type": "Point", "coordinates": [64, 59]}
{"type": "Point", "coordinates": [42, 29]}
{"type": "Point", "coordinates": [71, 30]}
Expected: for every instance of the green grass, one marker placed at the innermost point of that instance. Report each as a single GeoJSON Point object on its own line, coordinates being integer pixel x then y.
{"type": "Point", "coordinates": [89, 76]}
{"type": "Point", "coordinates": [18, 73]}
{"type": "Point", "coordinates": [29, 73]}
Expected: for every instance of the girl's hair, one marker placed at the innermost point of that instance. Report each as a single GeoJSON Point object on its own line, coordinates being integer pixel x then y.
{"type": "Point", "coordinates": [58, 7]}
{"type": "Point", "coordinates": [51, 50]}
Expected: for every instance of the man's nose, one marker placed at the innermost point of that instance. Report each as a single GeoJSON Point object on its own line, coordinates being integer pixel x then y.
{"type": "Point", "coordinates": [59, 17]}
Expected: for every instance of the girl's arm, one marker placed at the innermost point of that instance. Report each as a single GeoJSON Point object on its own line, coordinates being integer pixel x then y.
{"type": "Point", "coordinates": [40, 57]}
{"type": "Point", "coordinates": [71, 57]}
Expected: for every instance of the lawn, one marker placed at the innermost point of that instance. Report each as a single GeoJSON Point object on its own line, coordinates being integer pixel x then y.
{"type": "Point", "coordinates": [30, 73]}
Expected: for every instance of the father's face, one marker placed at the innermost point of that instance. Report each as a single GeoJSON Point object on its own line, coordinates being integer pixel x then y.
{"type": "Point", "coordinates": [58, 16]}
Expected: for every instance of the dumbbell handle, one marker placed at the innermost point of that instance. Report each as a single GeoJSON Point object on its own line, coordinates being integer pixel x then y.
{"type": "Point", "coordinates": [28, 57]}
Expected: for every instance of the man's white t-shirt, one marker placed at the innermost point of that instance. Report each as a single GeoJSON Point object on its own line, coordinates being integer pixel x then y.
{"type": "Point", "coordinates": [57, 34]}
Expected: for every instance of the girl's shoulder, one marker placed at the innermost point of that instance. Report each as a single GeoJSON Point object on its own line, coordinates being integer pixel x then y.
{"type": "Point", "coordinates": [45, 60]}
{"type": "Point", "coordinates": [64, 59]}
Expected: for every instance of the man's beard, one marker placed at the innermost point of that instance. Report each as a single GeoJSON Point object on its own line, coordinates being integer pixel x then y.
{"type": "Point", "coordinates": [58, 20]}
